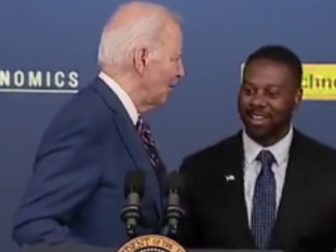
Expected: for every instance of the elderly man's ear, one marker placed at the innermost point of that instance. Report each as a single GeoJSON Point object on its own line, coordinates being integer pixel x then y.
{"type": "Point", "coordinates": [140, 59]}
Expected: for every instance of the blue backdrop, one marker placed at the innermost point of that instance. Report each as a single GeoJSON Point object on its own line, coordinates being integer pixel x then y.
{"type": "Point", "coordinates": [45, 37]}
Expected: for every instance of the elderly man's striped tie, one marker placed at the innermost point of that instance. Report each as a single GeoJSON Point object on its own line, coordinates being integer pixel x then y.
{"type": "Point", "coordinates": [149, 144]}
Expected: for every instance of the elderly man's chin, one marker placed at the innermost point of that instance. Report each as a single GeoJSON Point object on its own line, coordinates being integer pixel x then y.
{"type": "Point", "coordinates": [156, 101]}
{"type": "Point", "coordinates": [164, 99]}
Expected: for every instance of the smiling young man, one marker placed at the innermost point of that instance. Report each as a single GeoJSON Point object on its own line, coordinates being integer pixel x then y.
{"type": "Point", "coordinates": [271, 186]}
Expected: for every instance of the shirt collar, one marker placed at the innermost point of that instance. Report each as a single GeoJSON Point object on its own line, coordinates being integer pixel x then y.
{"type": "Point", "coordinates": [122, 95]}
{"type": "Point", "coordinates": [279, 150]}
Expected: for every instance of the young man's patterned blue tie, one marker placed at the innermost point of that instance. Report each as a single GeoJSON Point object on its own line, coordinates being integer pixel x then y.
{"type": "Point", "coordinates": [264, 201]}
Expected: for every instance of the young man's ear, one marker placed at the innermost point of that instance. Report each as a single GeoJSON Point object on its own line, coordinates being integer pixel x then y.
{"type": "Point", "coordinates": [298, 97]}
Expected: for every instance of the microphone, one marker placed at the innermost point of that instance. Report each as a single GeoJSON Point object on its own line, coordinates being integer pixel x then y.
{"type": "Point", "coordinates": [133, 190]}
{"type": "Point", "coordinates": [173, 212]}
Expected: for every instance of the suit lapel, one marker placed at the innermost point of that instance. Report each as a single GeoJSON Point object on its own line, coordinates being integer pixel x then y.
{"type": "Point", "coordinates": [130, 138]}
{"type": "Point", "coordinates": [232, 193]}
{"type": "Point", "coordinates": [290, 203]}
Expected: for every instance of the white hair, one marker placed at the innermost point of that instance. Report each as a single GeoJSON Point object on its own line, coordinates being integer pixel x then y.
{"type": "Point", "coordinates": [116, 45]}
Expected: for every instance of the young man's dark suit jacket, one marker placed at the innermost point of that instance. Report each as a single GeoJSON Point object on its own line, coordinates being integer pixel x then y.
{"type": "Point", "coordinates": [217, 215]}
{"type": "Point", "coordinates": [76, 193]}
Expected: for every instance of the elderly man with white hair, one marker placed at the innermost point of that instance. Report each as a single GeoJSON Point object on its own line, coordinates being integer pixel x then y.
{"type": "Point", "coordinates": [75, 194]}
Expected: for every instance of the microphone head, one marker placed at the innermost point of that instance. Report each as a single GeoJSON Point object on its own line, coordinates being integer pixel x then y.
{"type": "Point", "coordinates": [174, 182]}
{"type": "Point", "coordinates": [135, 182]}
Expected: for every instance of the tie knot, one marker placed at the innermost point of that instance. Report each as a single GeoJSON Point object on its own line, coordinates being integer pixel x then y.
{"type": "Point", "coordinates": [141, 124]}
{"type": "Point", "coordinates": [266, 158]}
